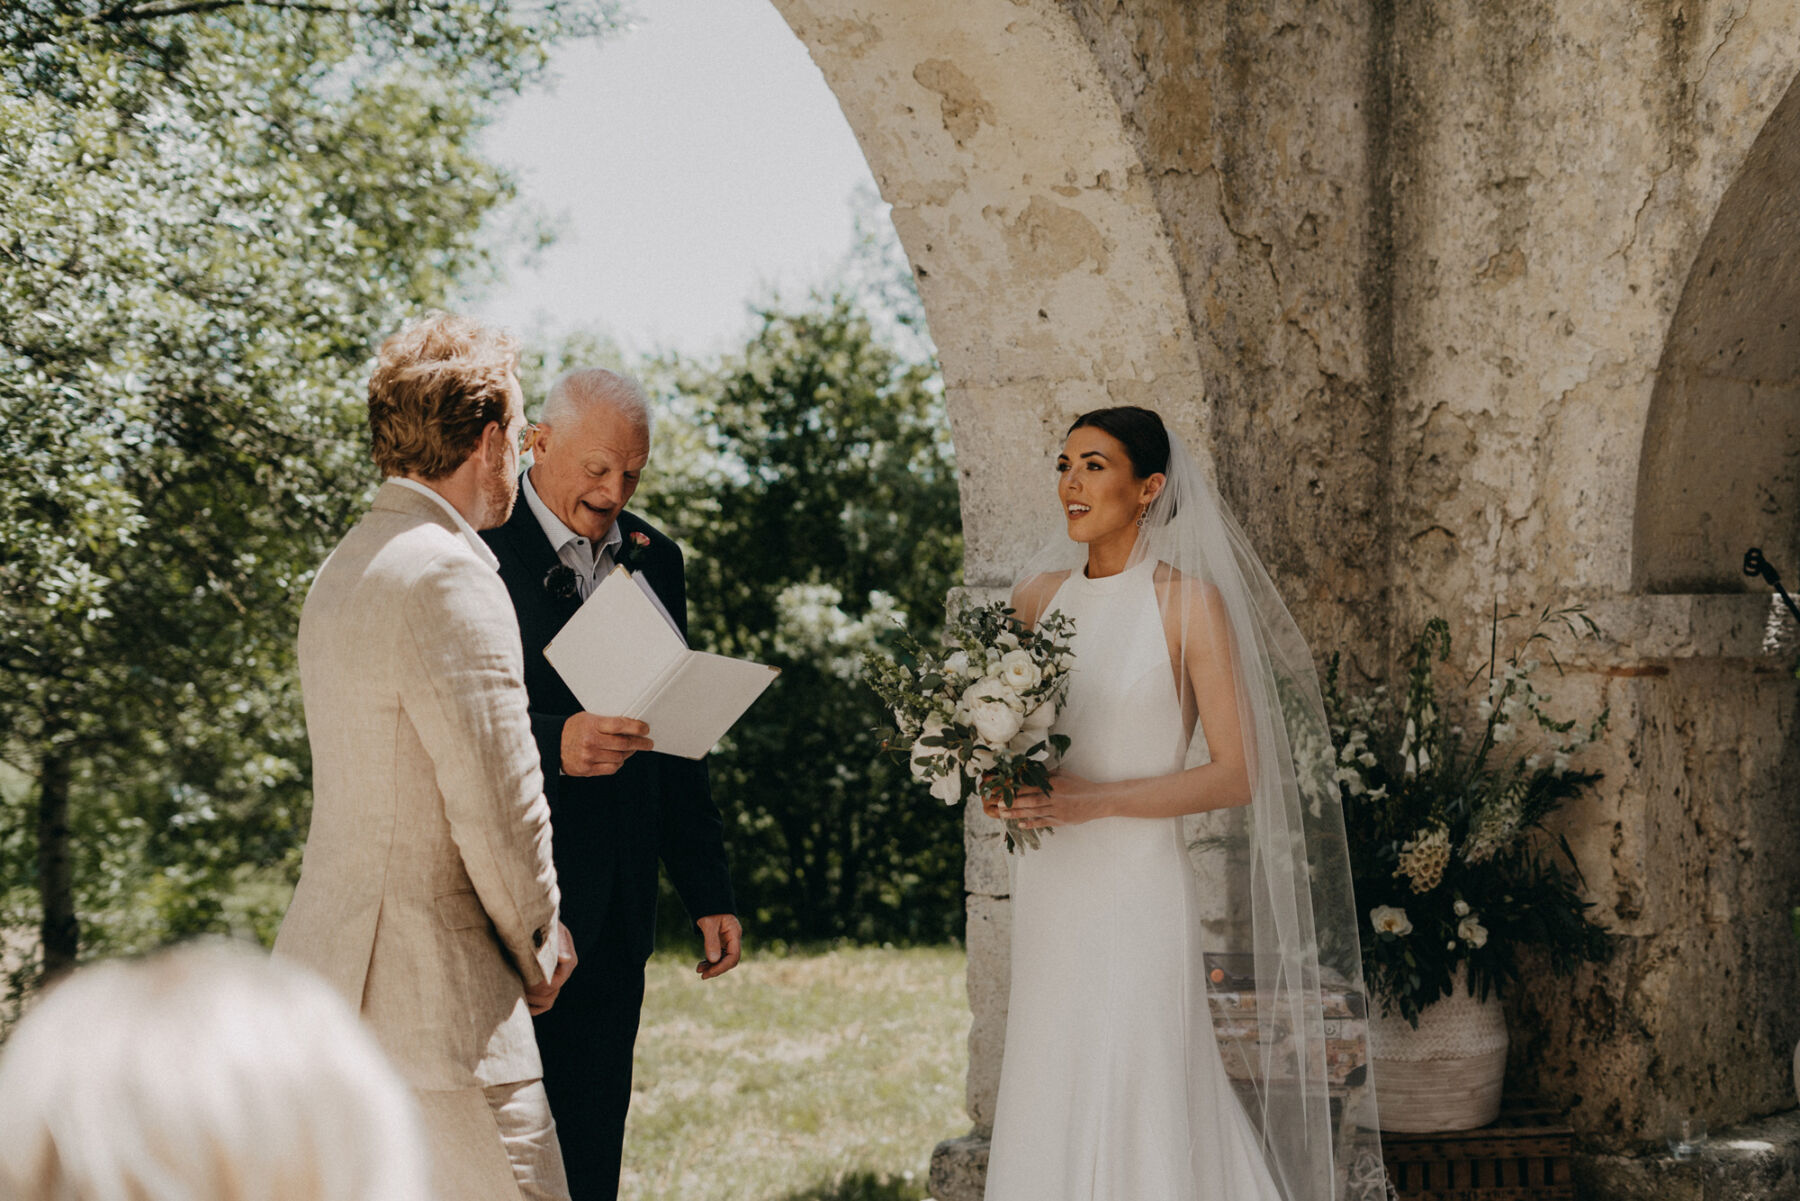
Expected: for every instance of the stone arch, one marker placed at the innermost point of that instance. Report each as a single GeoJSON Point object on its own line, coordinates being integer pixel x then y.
{"type": "Point", "coordinates": [1040, 254]}
{"type": "Point", "coordinates": [1720, 465]}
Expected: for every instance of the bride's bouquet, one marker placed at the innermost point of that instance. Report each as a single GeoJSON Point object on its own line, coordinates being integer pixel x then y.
{"type": "Point", "coordinates": [974, 714]}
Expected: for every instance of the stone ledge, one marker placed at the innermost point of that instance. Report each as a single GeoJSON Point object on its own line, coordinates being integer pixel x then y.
{"type": "Point", "coordinates": [1681, 626]}
{"type": "Point", "coordinates": [1758, 1161]}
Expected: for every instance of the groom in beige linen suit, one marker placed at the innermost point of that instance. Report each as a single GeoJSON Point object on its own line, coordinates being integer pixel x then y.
{"type": "Point", "coordinates": [427, 895]}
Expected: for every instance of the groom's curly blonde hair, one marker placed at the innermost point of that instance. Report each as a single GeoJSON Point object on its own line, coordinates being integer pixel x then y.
{"type": "Point", "coordinates": [438, 382]}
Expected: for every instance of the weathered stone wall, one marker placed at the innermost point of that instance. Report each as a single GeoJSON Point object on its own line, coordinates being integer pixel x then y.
{"type": "Point", "coordinates": [1468, 302]}
{"type": "Point", "coordinates": [1253, 122]}
{"type": "Point", "coordinates": [1558, 168]}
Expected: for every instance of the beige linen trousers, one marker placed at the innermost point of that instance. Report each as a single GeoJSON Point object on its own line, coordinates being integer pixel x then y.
{"type": "Point", "coordinates": [427, 895]}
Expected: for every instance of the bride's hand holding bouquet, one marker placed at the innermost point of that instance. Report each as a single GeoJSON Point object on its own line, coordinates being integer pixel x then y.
{"type": "Point", "coordinates": [1068, 801]}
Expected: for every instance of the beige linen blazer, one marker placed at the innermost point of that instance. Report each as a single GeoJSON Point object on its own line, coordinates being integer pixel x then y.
{"type": "Point", "coordinates": [427, 895]}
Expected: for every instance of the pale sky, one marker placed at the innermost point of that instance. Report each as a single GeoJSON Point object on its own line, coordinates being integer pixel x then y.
{"type": "Point", "coordinates": [693, 163]}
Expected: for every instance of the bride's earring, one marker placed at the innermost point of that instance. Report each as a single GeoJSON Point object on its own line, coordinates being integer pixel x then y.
{"type": "Point", "coordinates": [1142, 516]}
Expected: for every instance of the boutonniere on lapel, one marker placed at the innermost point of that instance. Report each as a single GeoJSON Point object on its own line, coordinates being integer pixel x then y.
{"type": "Point", "coordinates": [560, 581]}
{"type": "Point", "coordinates": [633, 551]}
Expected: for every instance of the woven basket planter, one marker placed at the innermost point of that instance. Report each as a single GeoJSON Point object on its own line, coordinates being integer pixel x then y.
{"type": "Point", "coordinates": [1445, 1075]}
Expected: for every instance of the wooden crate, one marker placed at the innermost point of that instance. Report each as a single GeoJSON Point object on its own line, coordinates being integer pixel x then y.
{"type": "Point", "coordinates": [1525, 1156]}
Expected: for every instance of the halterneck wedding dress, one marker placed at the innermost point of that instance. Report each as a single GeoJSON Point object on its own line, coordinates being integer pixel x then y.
{"type": "Point", "coordinates": [1112, 1087]}
{"type": "Point", "coordinates": [1114, 1083]}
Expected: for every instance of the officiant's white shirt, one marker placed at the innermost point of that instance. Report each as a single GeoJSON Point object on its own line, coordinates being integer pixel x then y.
{"type": "Point", "coordinates": [580, 556]}
{"type": "Point", "coordinates": [463, 527]}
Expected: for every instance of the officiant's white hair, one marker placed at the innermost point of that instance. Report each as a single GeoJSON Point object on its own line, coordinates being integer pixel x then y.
{"type": "Point", "coordinates": [574, 391]}
{"type": "Point", "coordinates": [206, 1073]}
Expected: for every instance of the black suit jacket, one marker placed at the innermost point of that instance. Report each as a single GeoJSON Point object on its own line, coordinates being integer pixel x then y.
{"type": "Point", "coordinates": [610, 831]}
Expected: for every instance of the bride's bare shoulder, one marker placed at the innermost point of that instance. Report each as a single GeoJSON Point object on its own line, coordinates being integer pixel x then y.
{"type": "Point", "coordinates": [1183, 595]}
{"type": "Point", "coordinates": [1032, 596]}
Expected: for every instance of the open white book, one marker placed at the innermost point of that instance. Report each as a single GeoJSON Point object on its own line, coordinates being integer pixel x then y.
{"type": "Point", "coordinates": [620, 658]}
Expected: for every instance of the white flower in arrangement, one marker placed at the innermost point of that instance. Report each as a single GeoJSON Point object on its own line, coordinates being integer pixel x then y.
{"type": "Point", "coordinates": [996, 721]}
{"type": "Point", "coordinates": [948, 788]}
{"type": "Point", "coordinates": [957, 664]}
{"type": "Point", "coordinates": [1007, 640]}
{"type": "Point", "coordinates": [1503, 732]}
{"type": "Point", "coordinates": [1461, 907]}
{"type": "Point", "coordinates": [981, 759]}
{"type": "Point", "coordinates": [1390, 919]}
{"type": "Point", "coordinates": [1019, 670]}
{"type": "Point", "coordinates": [1472, 932]}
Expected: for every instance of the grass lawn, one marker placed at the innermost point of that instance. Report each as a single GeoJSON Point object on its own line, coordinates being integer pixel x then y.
{"type": "Point", "coordinates": [800, 1077]}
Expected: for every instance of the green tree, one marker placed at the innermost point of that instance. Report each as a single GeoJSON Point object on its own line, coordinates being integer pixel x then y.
{"type": "Point", "coordinates": [812, 480]}
{"type": "Point", "coordinates": [210, 210]}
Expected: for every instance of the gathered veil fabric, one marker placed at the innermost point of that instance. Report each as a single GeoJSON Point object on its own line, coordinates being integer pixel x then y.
{"type": "Point", "coordinates": [1186, 1017]}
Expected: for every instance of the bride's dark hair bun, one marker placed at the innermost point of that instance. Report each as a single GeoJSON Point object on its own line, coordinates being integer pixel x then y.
{"type": "Point", "coordinates": [1141, 432]}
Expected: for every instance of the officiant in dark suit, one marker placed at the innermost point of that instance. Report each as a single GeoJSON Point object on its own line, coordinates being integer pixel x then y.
{"type": "Point", "coordinates": [617, 808]}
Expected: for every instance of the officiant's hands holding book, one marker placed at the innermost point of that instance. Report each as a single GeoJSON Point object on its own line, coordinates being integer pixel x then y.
{"type": "Point", "coordinates": [599, 746]}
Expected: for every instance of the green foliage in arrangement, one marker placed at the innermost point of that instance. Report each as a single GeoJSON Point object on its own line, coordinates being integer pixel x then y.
{"type": "Point", "coordinates": [1452, 861]}
{"type": "Point", "coordinates": [811, 480]}
{"type": "Point", "coordinates": [209, 214]}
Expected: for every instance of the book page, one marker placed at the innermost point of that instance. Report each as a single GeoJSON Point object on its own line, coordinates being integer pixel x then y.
{"type": "Point", "coordinates": [616, 650]}
{"type": "Point", "coordinates": [621, 659]}
{"type": "Point", "coordinates": [701, 700]}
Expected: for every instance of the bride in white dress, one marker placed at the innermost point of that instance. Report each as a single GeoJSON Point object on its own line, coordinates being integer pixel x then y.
{"type": "Point", "coordinates": [1191, 694]}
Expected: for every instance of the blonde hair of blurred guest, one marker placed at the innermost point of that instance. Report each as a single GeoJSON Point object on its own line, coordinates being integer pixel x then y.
{"type": "Point", "coordinates": [204, 1073]}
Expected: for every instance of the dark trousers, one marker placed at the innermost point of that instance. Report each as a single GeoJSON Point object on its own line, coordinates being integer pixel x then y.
{"type": "Point", "coordinates": [586, 1041]}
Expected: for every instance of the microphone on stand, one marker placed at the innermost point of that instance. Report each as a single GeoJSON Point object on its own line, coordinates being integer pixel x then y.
{"type": "Point", "coordinates": [1756, 565]}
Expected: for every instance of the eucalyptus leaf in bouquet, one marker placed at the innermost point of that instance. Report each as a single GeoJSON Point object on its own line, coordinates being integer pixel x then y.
{"type": "Point", "coordinates": [1452, 861]}
{"type": "Point", "coordinates": [973, 715]}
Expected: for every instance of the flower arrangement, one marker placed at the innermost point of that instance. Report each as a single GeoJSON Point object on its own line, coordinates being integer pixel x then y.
{"type": "Point", "coordinates": [974, 715]}
{"type": "Point", "coordinates": [1452, 863]}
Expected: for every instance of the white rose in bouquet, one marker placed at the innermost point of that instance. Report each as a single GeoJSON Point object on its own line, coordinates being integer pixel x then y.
{"type": "Point", "coordinates": [1041, 718]}
{"type": "Point", "coordinates": [958, 664]}
{"type": "Point", "coordinates": [1019, 671]}
{"type": "Point", "coordinates": [993, 688]}
{"type": "Point", "coordinates": [948, 789]}
{"type": "Point", "coordinates": [996, 721]}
